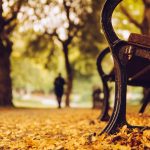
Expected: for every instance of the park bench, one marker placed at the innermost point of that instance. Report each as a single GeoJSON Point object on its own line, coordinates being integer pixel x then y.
{"type": "Point", "coordinates": [110, 77]}
{"type": "Point", "coordinates": [97, 100]}
{"type": "Point", "coordinates": [131, 66]}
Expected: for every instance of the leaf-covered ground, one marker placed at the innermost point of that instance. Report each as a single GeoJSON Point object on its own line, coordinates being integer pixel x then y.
{"type": "Point", "coordinates": [67, 129]}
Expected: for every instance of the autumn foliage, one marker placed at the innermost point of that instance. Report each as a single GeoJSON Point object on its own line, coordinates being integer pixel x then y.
{"type": "Point", "coordinates": [67, 129]}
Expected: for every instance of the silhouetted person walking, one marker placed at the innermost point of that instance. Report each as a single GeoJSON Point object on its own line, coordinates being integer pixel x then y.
{"type": "Point", "coordinates": [59, 88]}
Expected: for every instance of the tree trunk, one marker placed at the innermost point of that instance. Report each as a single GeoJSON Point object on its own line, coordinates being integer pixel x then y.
{"type": "Point", "coordinates": [69, 75]}
{"type": "Point", "coordinates": [145, 26]}
{"type": "Point", "coordinates": [5, 79]}
{"type": "Point", "coordinates": [145, 29]}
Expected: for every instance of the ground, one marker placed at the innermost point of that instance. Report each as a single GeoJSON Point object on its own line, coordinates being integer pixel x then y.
{"type": "Point", "coordinates": [67, 129]}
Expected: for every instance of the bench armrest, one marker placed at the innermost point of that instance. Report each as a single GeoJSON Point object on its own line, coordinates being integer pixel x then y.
{"type": "Point", "coordinates": [107, 12]}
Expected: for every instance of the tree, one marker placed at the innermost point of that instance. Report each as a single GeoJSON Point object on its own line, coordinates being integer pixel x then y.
{"type": "Point", "coordinates": [91, 40]}
{"type": "Point", "coordinates": [144, 26]}
{"type": "Point", "coordinates": [8, 17]}
{"type": "Point", "coordinates": [62, 22]}
{"type": "Point", "coordinates": [91, 33]}
{"type": "Point", "coordinates": [73, 28]}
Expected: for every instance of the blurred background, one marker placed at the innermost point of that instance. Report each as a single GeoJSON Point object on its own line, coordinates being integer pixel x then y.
{"type": "Point", "coordinates": [42, 38]}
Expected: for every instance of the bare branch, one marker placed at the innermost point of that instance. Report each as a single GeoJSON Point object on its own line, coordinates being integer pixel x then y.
{"type": "Point", "coordinates": [146, 3]}
{"type": "Point", "coordinates": [54, 33]}
{"type": "Point", "coordinates": [67, 10]}
{"type": "Point", "coordinates": [2, 20]}
{"type": "Point", "coordinates": [10, 28]}
{"type": "Point", "coordinates": [14, 14]}
{"type": "Point", "coordinates": [1, 9]}
{"type": "Point", "coordinates": [131, 19]}
{"type": "Point", "coordinates": [70, 37]}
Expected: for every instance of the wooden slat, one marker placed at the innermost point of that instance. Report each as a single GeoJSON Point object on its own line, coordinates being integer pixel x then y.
{"type": "Point", "coordinates": [143, 53]}
{"type": "Point", "coordinates": [139, 39]}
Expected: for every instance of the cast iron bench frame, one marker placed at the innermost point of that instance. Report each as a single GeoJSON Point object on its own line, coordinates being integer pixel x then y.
{"type": "Point", "coordinates": [110, 77]}
{"type": "Point", "coordinates": [122, 53]}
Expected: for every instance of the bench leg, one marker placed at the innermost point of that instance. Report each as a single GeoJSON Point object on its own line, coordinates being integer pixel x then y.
{"type": "Point", "coordinates": [118, 118]}
{"type": "Point", "coordinates": [104, 116]}
{"type": "Point", "coordinates": [145, 100]}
